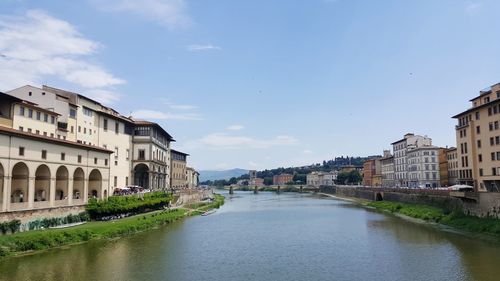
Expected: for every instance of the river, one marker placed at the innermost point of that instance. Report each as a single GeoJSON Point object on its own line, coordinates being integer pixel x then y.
{"type": "Point", "coordinates": [272, 237]}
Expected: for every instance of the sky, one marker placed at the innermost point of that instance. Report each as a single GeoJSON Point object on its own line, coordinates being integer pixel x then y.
{"type": "Point", "coordinates": [260, 84]}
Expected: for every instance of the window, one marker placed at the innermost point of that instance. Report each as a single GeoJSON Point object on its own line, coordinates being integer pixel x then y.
{"type": "Point", "coordinates": [72, 113]}
{"type": "Point", "coordinates": [115, 181]}
{"type": "Point", "coordinates": [116, 152]}
{"type": "Point", "coordinates": [95, 161]}
{"type": "Point", "coordinates": [478, 143]}
{"type": "Point", "coordinates": [478, 130]}
{"type": "Point", "coordinates": [496, 125]}
{"type": "Point", "coordinates": [44, 154]}
{"type": "Point", "coordinates": [492, 141]}
{"type": "Point", "coordinates": [480, 157]}
{"type": "Point", "coordinates": [126, 180]}
{"type": "Point", "coordinates": [79, 159]}
{"type": "Point", "coordinates": [84, 130]}
{"type": "Point", "coordinates": [494, 171]}
{"type": "Point", "coordinates": [45, 117]}
{"type": "Point", "coordinates": [21, 110]}
{"type": "Point", "coordinates": [21, 151]}
{"type": "Point", "coordinates": [38, 115]}
{"type": "Point", "coordinates": [477, 115]}
{"type": "Point", "coordinates": [87, 111]}
{"type": "Point", "coordinates": [116, 163]}
{"type": "Point", "coordinates": [142, 154]}
{"type": "Point", "coordinates": [117, 127]}
{"type": "Point", "coordinates": [490, 126]}
{"type": "Point", "coordinates": [128, 154]}
{"type": "Point", "coordinates": [51, 135]}
{"type": "Point", "coordinates": [105, 124]}
{"type": "Point", "coordinates": [30, 93]}
{"type": "Point", "coordinates": [30, 113]}
{"type": "Point", "coordinates": [52, 119]}
{"type": "Point", "coordinates": [72, 129]}
{"type": "Point", "coordinates": [105, 162]}
{"type": "Point", "coordinates": [480, 172]}
{"type": "Point", "coordinates": [79, 129]}
{"type": "Point", "coordinates": [29, 130]}
{"type": "Point", "coordinates": [21, 128]}
{"type": "Point", "coordinates": [493, 156]}
{"type": "Point", "coordinates": [63, 156]}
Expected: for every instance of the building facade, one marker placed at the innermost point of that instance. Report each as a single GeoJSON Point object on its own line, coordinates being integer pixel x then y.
{"type": "Point", "coordinates": [178, 169]}
{"type": "Point", "coordinates": [478, 141]}
{"type": "Point", "coordinates": [192, 177]}
{"type": "Point", "coordinates": [451, 156]}
{"type": "Point", "coordinates": [372, 173]}
{"type": "Point", "coordinates": [282, 179]}
{"type": "Point", "coordinates": [443, 167]}
{"type": "Point", "coordinates": [317, 179]}
{"type": "Point", "coordinates": [387, 169]}
{"type": "Point", "coordinates": [40, 171]}
{"type": "Point", "coordinates": [423, 167]}
{"type": "Point", "coordinates": [400, 148]}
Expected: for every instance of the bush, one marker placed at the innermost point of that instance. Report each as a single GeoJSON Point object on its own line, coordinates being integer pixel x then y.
{"type": "Point", "coordinates": [119, 205]}
{"type": "Point", "coordinates": [10, 226]}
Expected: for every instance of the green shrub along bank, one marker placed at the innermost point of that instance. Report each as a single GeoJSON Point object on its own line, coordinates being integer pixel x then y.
{"type": "Point", "coordinates": [10, 226]}
{"type": "Point", "coordinates": [50, 238]}
{"type": "Point", "coordinates": [51, 222]}
{"type": "Point", "coordinates": [127, 205]}
{"type": "Point", "coordinates": [455, 219]}
{"type": "Point", "coordinates": [203, 207]}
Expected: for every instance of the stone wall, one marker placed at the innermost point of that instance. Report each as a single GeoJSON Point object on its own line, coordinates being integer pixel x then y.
{"type": "Point", "coordinates": [192, 196]}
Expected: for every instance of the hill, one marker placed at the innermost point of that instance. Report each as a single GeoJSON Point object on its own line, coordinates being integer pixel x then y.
{"type": "Point", "coordinates": [211, 175]}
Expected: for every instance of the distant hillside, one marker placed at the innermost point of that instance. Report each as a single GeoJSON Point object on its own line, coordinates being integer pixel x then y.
{"type": "Point", "coordinates": [221, 175]}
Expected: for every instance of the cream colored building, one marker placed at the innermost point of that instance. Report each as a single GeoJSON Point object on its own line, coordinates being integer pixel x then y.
{"type": "Point", "coordinates": [178, 169]}
{"type": "Point", "coordinates": [38, 171]}
{"type": "Point", "coordinates": [478, 141]}
{"type": "Point", "coordinates": [192, 177]}
{"type": "Point", "coordinates": [318, 179]}
{"type": "Point", "coordinates": [400, 148]}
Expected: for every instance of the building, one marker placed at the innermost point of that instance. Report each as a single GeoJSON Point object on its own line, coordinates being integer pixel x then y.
{"type": "Point", "coordinates": [192, 177]}
{"type": "Point", "coordinates": [372, 172]}
{"type": "Point", "coordinates": [400, 148]}
{"type": "Point", "coordinates": [318, 179]}
{"type": "Point", "coordinates": [423, 166]}
{"type": "Point", "coordinates": [282, 179]}
{"type": "Point", "coordinates": [387, 169]}
{"type": "Point", "coordinates": [256, 182]}
{"type": "Point", "coordinates": [443, 167]}
{"type": "Point", "coordinates": [151, 155]}
{"type": "Point", "coordinates": [178, 169]}
{"type": "Point", "coordinates": [478, 141]}
{"type": "Point", "coordinates": [451, 156]}
{"type": "Point", "coordinates": [41, 171]}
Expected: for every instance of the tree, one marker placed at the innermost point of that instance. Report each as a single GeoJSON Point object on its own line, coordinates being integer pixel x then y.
{"type": "Point", "coordinates": [268, 181]}
{"type": "Point", "coordinates": [300, 178]}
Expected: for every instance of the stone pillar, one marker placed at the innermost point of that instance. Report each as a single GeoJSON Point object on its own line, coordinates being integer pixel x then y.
{"type": "Point", "coordinates": [6, 194]}
{"type": "Point", "coordinates": [70, 191]}
{"type": "Point", "coordinates": [231, 190]}
{"type": "Point", "coordinates": [85, 191]}
{"type": "Point", "coordinates": [52, 192]}
{"type": "Point", "coordinates": [31, 192]}
{"type": "Point", "coordinates": [150, 182]}
{"type": "Point", "coordinates": [255, 190]}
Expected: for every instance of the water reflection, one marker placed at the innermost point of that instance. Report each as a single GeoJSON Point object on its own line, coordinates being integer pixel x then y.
{"type": "Point", "coordinates": [272, 237]}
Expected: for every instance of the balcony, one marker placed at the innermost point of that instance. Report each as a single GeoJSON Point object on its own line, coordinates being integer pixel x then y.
{"type": "Point", "coordinates": [465, 125]}
{"type": "Point", "coordinates": [5, 122]}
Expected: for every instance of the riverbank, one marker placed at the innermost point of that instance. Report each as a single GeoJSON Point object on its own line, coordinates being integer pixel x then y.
{"type": "Point", "coordinates": [33, 241]}
{"type": "Point", "coordinates": [456, 220]}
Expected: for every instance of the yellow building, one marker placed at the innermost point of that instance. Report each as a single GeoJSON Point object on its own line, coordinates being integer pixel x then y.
{"type": "Point", "coordinates": [178, 167]}
{"type": "Point", "coordinates": [478, 141]}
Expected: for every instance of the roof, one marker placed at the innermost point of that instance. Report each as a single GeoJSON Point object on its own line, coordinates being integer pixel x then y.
{"type": "Point", "coordinates": [178, 152]}
{"type": "Point", "coordinates": [476, 108]}
{"type": "Point", "coordinates": [485, 91]}
{"type": "Point", "coordinates": [26, 103]}
{"type": "Point", "coordinates": [14, 132]}
{"type": "Point", "coordinates": [153, 124]}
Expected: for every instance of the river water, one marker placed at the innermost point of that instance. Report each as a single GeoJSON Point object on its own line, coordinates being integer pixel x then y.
{"type": "Point", "coordinates": [272, 237]}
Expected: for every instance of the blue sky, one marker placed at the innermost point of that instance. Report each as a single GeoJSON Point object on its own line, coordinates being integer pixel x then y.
{"type": "Point", "coordinates": [263, 83]}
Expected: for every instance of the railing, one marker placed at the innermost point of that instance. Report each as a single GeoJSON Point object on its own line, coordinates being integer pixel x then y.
{"type": "Point", "coordinates": [5, 122]}
{"type": "Point", "coordinates": [18, 206]}
{"type": "Point", "coordinates": [78, 201]}
{"type": "Point", "coordinates": [59, 203]}
{"type": "Point", "coordinates": [41, 204]}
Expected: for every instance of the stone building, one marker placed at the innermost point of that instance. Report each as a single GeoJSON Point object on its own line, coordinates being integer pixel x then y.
{"type": "Point", "coordinates": [372, 172]}
{"type": "Point", "coordinates": [282, 179]}
{"type": "Point", "coordinates": [40, 171]}
{"type": "Point", "coordinates": [443, 167]}
{"type": "Point", "coordinates": [400, 148]}
{"type": "Point", "coordinates": [317, 179]}
{"type": "Point", "coordinates": [387, 169]}
{"type": "Point", "coordinates": [423, 167]}
{"type": "Point", "coordinates": [192, 177]}
{"type": "Point", "coordinates": [451, 156]}
{"type": "Point", "coordinates": [178, 169]}
{"type": "Point", "coordinates": [478, 141]}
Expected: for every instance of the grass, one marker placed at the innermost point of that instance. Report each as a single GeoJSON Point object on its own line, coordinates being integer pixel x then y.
{"type": "Point", "coordinates": [455, 219]}
{"type": "Point", "coordinates": [50, 238]}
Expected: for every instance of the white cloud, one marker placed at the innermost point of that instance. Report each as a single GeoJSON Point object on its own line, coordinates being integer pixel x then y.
{"type": "Point", "coordinates": [158, 115]}
{"type": "Point", "coordinates": [168, 13]}
{"type": "Point", "coordinates": [235, 127]}
{"type": "Point", "coordinates": [36, 46]}
{"type": "Point", "coordinates": [307, 151]}
{"type": "Point", "coordinates": [225, 141]}
{"type": "Point", "coordinates": [473, 6]}
{"type": "Point", "coordinates": [102, 96]}
{"type": "Point", "coordinates": [205, 47]}
{"type": "Point", "coordinates": [183, 106]}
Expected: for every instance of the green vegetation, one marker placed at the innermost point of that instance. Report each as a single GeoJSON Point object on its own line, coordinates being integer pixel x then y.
{"type": "Point", "coordinates": [455, 219]}
{"type": "Point", "coordinates": [10, 226]}
{"type": "Point", "coordinates": [352, 177]}
{"type": "Point", "coordinates": [50, 238]}
{"type": "Point", "coordinates": [118, 205]}
{"type": "Point", "coordinates": [51, 222]}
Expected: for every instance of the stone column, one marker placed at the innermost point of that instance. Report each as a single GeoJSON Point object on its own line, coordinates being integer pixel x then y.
{"type": "Point", "coordinates": [85, 191]}
{"type": "Point", "coordinates": [70, 191]}
{"type": "Point", "coordinates": [52, 192]}
{"type": "Point", "coordinates": [6, 194]}
{"type": "Point", "coordinates": [31, 192]}
{"type": "Point", "coordinates": [150, 183]}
